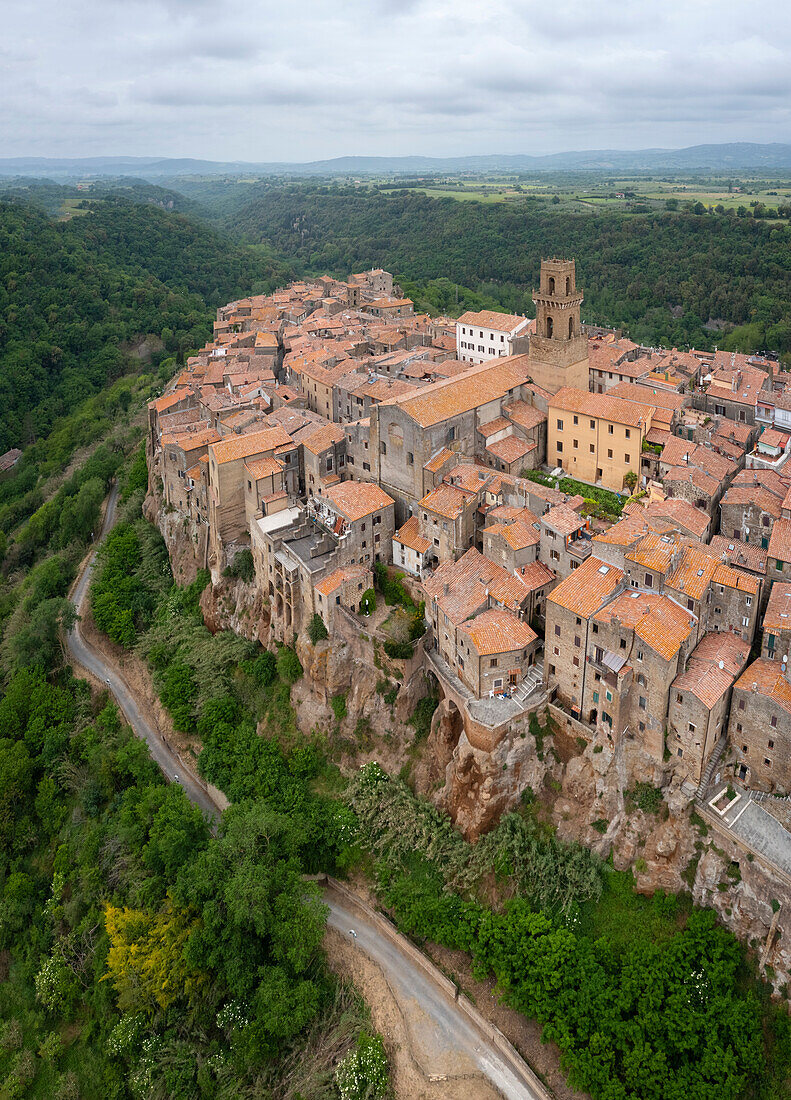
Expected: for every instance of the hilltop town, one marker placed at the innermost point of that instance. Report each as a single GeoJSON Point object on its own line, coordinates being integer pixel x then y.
{"type": "Point", "coordinates": [580, 530]}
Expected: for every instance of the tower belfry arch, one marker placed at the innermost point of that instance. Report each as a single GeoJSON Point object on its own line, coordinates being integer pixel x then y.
{"type": "Point", "coordinates": [558, 348]}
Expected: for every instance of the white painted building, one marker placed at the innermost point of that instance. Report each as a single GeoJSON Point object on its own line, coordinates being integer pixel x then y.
{"type": "Point", "coordinates": [411, 548]}
{"type": "Point", "coordinates": [487, 335]}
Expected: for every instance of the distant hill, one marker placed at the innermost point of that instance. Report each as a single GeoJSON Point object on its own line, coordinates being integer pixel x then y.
{"type": "Point", "coordinates": [737, 156]}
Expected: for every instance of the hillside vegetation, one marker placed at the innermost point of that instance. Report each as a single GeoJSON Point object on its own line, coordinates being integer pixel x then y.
{"type": "Point", "coordinates": [78, 297]}
{"type": "Point", "coordinates": [664, 276]}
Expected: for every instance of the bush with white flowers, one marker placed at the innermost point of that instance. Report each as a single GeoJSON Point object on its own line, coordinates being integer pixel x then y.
{"type": "Point", "coordinates": [362, 1075]}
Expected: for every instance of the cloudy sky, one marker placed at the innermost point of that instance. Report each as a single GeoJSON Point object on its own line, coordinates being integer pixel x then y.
{"type": "Point", "coordinates": [261, 80]}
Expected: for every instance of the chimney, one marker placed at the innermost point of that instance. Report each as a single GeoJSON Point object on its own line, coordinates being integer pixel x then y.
{"type": "Point", "coordinates": [445, 588]}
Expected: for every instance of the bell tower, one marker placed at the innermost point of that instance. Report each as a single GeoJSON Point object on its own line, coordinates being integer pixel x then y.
{"type": "Point", "coordinates": [558, 348]}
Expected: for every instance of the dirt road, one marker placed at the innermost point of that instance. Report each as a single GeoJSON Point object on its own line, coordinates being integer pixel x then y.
{"type": "Point", "coordinates": [83, 654]}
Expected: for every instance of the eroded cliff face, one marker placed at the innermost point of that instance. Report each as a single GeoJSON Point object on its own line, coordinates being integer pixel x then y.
{"type": "Point", "coordinates": [185, 541]}
{"type": "Point", "coordinates": [353, 665]}
{"type": "Point", "coordinates": [233, 604]}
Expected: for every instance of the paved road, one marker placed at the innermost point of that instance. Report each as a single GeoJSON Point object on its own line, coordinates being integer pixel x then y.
{"type": "Point", "coordinates": [85, 655]}
{"type": "Point", "coordinates": [447, 1037]}
{"type": "Point", "coordinates": [438, 1022]}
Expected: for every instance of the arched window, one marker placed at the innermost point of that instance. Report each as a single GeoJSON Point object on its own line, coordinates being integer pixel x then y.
{"type": "Point", "coordinates": [568, 285]}
{"type": "Point", "coordinates": [571, 327]}
{"type": "Point", "coordinates": [549, 327]}
{"type": "Point", "coordinates": [551, 284]}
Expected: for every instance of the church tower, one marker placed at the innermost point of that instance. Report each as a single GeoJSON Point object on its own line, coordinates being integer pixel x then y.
{"type": "Point", "coordinates": [558, 349]}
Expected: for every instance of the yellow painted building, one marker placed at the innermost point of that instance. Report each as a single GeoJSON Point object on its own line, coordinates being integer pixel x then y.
{"type": "Point", "coordinates": [596, 438]}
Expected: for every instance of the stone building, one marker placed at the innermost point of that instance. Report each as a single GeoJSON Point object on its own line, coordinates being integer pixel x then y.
{"type": "Point", "coordinates": [760, 726]}
{"type": "Point", "coordinates": [776, 638]}
{"type": "Point", "coordinates": [569, 607]}
{"type": "Point", "coordinates": [558, 347]}
{"type": "Point", "coordinates": [565, 540]}
{"type": "Point", "coordinates": [342, 588]}
{"type": "Point", "coordinates": [456, 596]}
{"type": "Point", "coordinates": [494, 652]}
{"type": "Point", "coordinates": [700, 698]}
{"type": "Point", "coordinates": [360, 515]}
{"type": "Point", "coordinates": [180, 452]}
{"type": "Point", "coordinates": [751, 505]}
{"type": "Point", "coordinates": [227, 484]}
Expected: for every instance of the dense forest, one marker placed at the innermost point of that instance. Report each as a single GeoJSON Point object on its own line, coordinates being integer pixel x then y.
{"type": "Point", "coordinates": [665, 277]}
{"type": "Point", "coordinates": [78, 297]}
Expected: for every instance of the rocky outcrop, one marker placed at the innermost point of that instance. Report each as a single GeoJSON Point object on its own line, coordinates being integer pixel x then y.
{"type": "Point", "coordinates": [185, 543]}
{"type": "Point", "coordinates": [233, 604]}
{"type": "Point", "coordinates": [481, 786]}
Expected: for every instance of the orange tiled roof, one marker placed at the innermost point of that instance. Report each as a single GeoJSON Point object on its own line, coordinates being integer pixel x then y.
{"type": "Point", "coordinates": [778, 610]}
{"type": "Point", "coordinates": [409, 535]}
{"type": "Point", "coordinates": [518, 535]}
{"type": "Point", "coordinates": [438, 460]}
{"type": "Point", "coordinates": [536, 575]}
{"type": "Point", "coordinates": [511, 449]}
{"type": "Point", "coordinates": [358, 499]}
{"type": "Point", "coordinates": [586, 589]}
{"type": "Point", "coordinates": [245, 446]}
{"type": "Point", "coordinates": [498, 631]}
{"type": "Point", "coordinates": [447, 500]}
{"type": "Point", "coordinates": [190, 441]}
{"type": "Point", "coordinates": [780, 540]}
{"type": "Point", "coordinates": [336, 579]}
{"type": "Point", "coordinates": [322, 438]}
{"type": "Point", "coordinates": [656, 620]}
{"type": "Point", "coordinates": [563, 519]}
{"type": "Point", "coordinates": [738, 553]}
{"type": "Point", "coordinates": [491, 319]}
{"type": "Point", "coordinates": [768, 679]}
{"type": "Point", "coordinates": [483, 383]}
{"type": "Point", "coordinates": [602, 406]}
{"type": "Point", "coordinates": [263, 467]}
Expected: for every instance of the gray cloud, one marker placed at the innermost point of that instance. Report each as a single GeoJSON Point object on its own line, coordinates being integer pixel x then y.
{"type": "Point", "coordinates": [227, 79]}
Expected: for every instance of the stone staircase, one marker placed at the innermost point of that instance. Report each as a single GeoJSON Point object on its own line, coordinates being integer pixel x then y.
{"type": "Point", "coordinates": [714, 760]}
{"type": "Point", "coordinates": [531, 683]}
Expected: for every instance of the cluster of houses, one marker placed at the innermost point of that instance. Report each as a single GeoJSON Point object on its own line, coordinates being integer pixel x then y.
{"type": "Point", "coordinates": [327, 427]}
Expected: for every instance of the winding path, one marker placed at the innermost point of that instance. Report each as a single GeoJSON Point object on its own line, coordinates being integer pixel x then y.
{"type": "Point", "coordinates": [445, 1034]}
{"type": "Point", "coordinates": [84, 654]}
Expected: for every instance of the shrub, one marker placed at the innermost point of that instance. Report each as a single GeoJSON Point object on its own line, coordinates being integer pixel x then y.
{"type": "Point", "coordinates": [338, 704]}
{"type": "Point", "coordinates": [289, 668]}
{"type": "Point", "coordinates": [399, 650]}
{"type": "Point", "coordinates": [368, 602]}
{"type": "Point", "coordinates": [600, 825]}
{"type": "Point", "coordinates": [362, 1075]}
{"type": "Point", "coordinates": [646, 797]}
{"type": "Point", "coordinates": [422, 716]}
{"type": "Point", "coordinates": [242, 567]}
{"type": "Point", "coordinates": [317, 631]}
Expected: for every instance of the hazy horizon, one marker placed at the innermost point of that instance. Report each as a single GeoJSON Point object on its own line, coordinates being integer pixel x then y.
{"type": "Point", "coordinates": [227, 82]}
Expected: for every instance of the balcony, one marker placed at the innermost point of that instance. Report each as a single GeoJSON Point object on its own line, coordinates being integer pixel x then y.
{"type": "Point", "coordinates": [580, 549]}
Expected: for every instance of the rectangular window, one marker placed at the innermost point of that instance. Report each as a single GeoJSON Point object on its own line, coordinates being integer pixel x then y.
{"type": "Point", "coordinates": [627, 459]}
{"type": "Point", "coordinates": [593, 423]}
{"type": "Point", "coordinates": [576, 420]}
{"type": "Point", "coordinates": [560, 425]}
{"type": "Point", "coordinates": [610, 429]}
{"type": "Point", "coordinates": [410, 459]}
{"type": "Point", "coordinates": [557, 631]}
{"type": "Point", "coordinates": [609, 453]}
{"type": "Point", "coordinates": [560, 447]}
{"type": "Point", "coordinates": [595, 696]}
{"type": "Point", "coordinates": [628, 434]}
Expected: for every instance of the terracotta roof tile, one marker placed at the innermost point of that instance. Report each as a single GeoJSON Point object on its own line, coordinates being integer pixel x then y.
{"type": "Point", "coordinates": [778, 610]}
{"type": "Point", "coordinates": [409, 535]}
{"type": "Point", "coordinates": [358, 499]}
{"type": "Point", "coordinates": [586, 589]}
{"type": "Point", "coordinates": [498, 631]}
{"type": "Point", "coordinates": [768, 678]}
